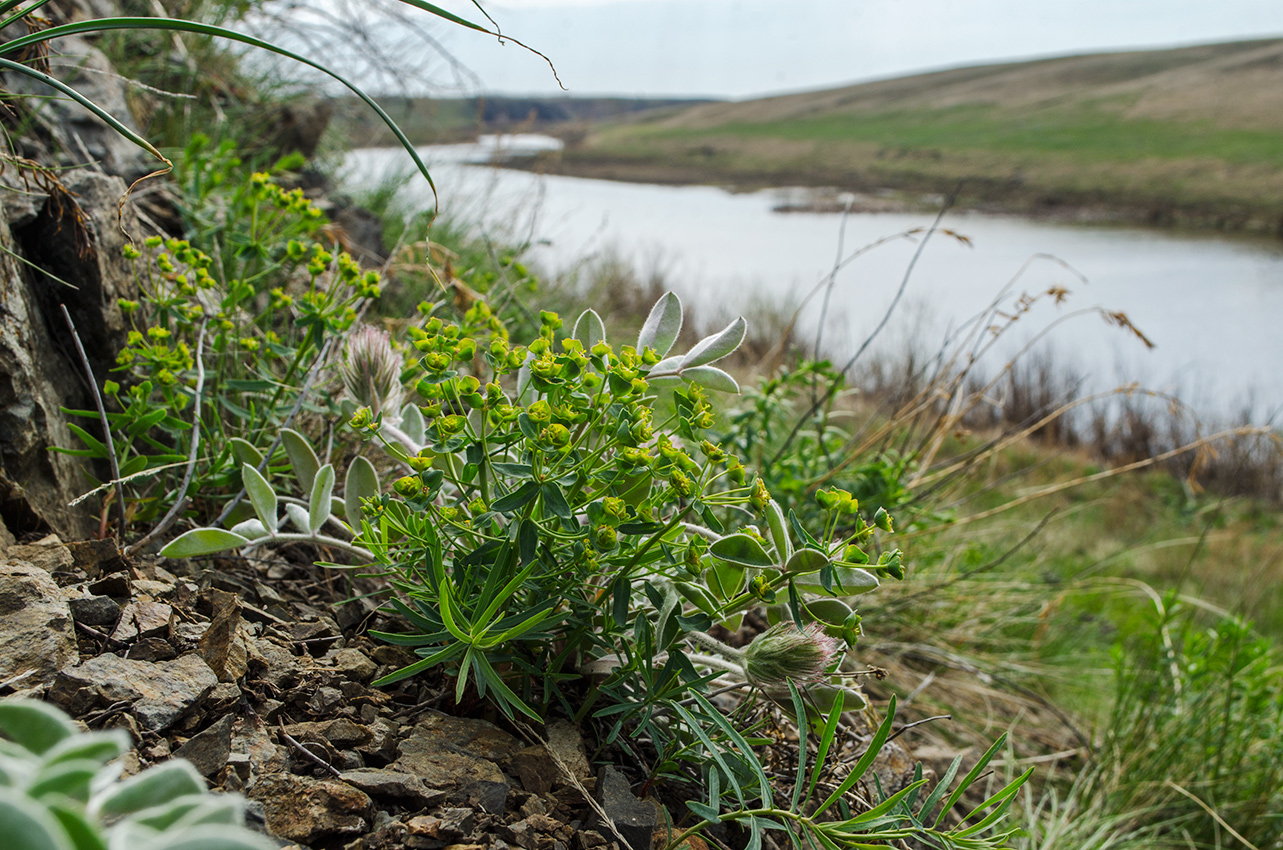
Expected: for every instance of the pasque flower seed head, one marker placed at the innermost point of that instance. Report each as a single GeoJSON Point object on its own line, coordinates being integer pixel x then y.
{"type": "Point", "coordinates": [785, 652]}
{"type": "Point", "coordinates": [371, 372]}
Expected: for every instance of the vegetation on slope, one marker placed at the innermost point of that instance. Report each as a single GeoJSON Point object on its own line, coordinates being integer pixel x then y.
{"type": "Point", "coordinates": [1189, 135]}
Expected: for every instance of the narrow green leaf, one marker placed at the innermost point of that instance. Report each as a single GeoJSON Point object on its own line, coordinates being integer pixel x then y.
{"type": "Point", "coordinates": [888, 804]}
{"type": "Point", "coordinates": [95, 445]}
{"type": "Point", "coordinates": [799, 712]}
{"type": "Point", "coordinates": [506, 698]}
{"type": "Point", "coordinates": [826, 741]}
{"type": "Point", "coordinates": [704, 812]}
{"type": "Point", "coordinates": [714, 751]}
{"type": "Point", "coordinates": [1007, 791]}
{"type": "Point", "coordinates": [105, 116]}
{"type": "Point", "coordinates": [428, 663]}
{"type": "Point", "coordinates": [517, 499]}
{"type": "Point", "coordinates": [203, 541]}
{"type": "Point", "coordinates": [555, 500]}
{"type": "Point", "coordinates": [763, 783]}
{"type": "Point", "coordinates": [866, 761]}
{"type": "Point", "coordinates": [937, 793]}
{"type": "Point", "coordinates": [319, 505]}
{"type": "Point", "coordinates": [971, 777]}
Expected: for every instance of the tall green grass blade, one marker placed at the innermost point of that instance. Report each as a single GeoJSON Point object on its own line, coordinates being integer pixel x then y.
{"type": "Point", "coordinates": [799, 712]}
{"type": "Point", "coordinates": [826, 741]}
{"type": "Point", "coordinates": [171, 24]}
{"type": "Point", "coordinates": [763, 783]}
{"type": "Point", "coordinates": [7, 7]}
{"type": "Point", "coordinates": [971, 777]}
{"type": "Point", "coordinates": [97, 110]}
{"type": "Point", "coordinates": [713, 751]}
{"type": "Point", "coordinates": [866, 761]}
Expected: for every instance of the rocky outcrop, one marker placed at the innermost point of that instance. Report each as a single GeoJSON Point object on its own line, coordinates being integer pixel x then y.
{"type": "Point", "coordinates": [61, 249]}
{"type": "Point", "coordinates": [62, 226]}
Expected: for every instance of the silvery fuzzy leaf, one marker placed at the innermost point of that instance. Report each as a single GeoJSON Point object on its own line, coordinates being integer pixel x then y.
{"type": "Point", "coordinates": [662, 325]}
{"type": "Point", "coordinates": [29, 824]}
{"type": "Point", "coordinates": [297, 515]}
{"type": "Point", "coordinates": [710, 377]}
{"type": "Point", "coordinates": [250, 529]}
{"type": "Point", "coordinates": [35, 725]}
{"type": "Point", "coordinates": [589, 329]}
{"type": "Point", "coordinates": [412, 424]}
{"type": "Point", "coordinates": [667, 365]}
{"type": "Point", "coordinates": [302, 458]}
{"type": "Point", "coordinates": [319, 504]}
{"type": "Point", "coordinates": [717, 346]}
{"type": "Point", "coordinates": [203, 541]}
{"type": "Point", "coordinates": [245, 451]}
{"type": "Point", "coordinates": [261, 496]}
{"type": "Point", "coordinates": [362, 482]}
{"type": "Point", "coordinates": [155, 786]}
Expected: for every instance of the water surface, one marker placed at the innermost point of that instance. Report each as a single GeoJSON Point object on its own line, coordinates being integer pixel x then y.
{"type": "Point", "coordinates": [1211, 306]}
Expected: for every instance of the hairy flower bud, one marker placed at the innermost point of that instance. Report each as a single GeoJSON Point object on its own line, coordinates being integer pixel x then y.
{"type": "Point", "coordinates": [371, 372]}
{"type": "Point", "coordinates": [785, 652]}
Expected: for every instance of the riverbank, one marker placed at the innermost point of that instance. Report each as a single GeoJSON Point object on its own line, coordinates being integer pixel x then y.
{"type": "Point", "coordinates": [1189, 138]}
{"type": "Point", "coordinates": [875, 189]}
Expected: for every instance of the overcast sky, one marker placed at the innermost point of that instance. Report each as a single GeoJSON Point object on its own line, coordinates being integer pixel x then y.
{"type": "Point", "coordinates": [738, 48]}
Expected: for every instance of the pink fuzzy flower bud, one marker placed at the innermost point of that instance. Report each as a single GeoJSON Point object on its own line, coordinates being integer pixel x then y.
{"type": "Point", "coordinates": [371, 372]}
{"type": "Point", "coordinates": [785, 652]}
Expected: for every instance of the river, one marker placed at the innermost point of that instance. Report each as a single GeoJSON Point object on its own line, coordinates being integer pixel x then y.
{"type": "Point", "coordinates": [1211, 306]}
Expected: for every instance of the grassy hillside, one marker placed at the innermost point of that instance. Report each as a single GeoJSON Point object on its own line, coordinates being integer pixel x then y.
{"type": "Point", "coordinates": [443, 120]}
{"type": "Point", "coordinates": [1192, 134]}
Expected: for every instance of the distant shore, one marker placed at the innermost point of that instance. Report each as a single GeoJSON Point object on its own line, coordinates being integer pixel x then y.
{"type": "Point", "coordinates": [835, 192]}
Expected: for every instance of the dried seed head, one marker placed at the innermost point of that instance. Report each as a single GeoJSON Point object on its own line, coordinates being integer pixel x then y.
{"type": "Point", "coordinates": [371, 372]}
{"type": "Point", "coordinates": [785, 652]}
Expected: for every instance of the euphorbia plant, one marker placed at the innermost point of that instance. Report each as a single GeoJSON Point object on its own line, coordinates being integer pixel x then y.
{"type": "Point", "coordinates": [556, 510]}
{"type": "Point", "coordinates": [562, 537]}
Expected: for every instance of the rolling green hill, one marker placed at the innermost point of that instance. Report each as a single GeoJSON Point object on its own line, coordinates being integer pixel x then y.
{"type": "Point", "coordinates": [1191, 135]}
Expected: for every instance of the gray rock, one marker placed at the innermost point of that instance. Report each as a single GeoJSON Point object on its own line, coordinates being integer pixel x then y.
{"type": "Point", "coordinates": [352, 663]}
{"type": "Point", "coordinates": [305, 810]}
{"type": "Point", "coordinates": [339, 733]}
{"type": "Point", "coordinates": [158, 693]}
{"type": "Point", "coordinates": [209, 750]}
{"type": "Point", "coordinates": [36, 630]}
{"type": "Point", "coordinates": [455, 764]}
{"type": "Point", "coordinates": [635, 819]}
{"type": "Point", "coordinates": [405, 787]}
{"type": "Point", "coordinates": [48, 553]}
{"type": "Point", "coordinates": [535, 768]}
{"type": "Point", "coordinates": [95, 610]}
{"type": "Point", "coordinates": [567, 744]}
{"type": "Point", "coordinates": [142, 620]}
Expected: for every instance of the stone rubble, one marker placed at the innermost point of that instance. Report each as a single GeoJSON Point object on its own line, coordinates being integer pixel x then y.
{"type": "Point", "coordinates": [245, 671]}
